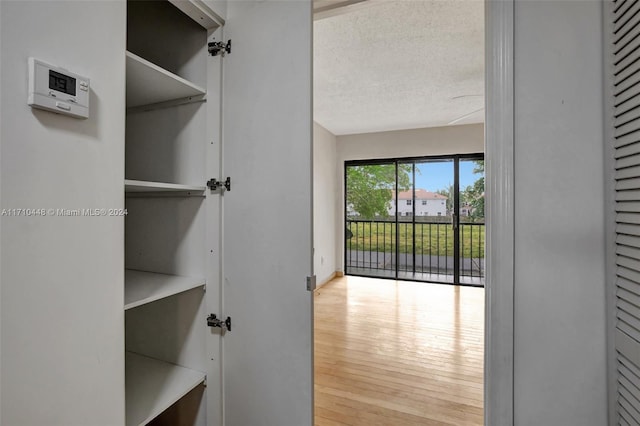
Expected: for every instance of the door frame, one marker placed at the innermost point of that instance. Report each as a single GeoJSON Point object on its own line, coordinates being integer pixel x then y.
{"type": "Point", "coordinates": [500, 212]}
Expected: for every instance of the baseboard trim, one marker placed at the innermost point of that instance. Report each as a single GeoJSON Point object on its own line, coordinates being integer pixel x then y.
{"type": "Point", "coordinates": [336, 274]}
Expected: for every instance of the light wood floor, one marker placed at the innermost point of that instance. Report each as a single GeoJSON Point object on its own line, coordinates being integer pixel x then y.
{"type": "Point", "coordinates": [398, 353]}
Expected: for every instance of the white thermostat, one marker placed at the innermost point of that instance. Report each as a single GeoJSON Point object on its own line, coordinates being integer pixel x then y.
{"type": "Point", "coordinates": [58, 90]}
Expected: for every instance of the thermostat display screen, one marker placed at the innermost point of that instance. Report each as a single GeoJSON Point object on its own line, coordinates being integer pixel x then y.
{"type": "Point", "coordinates": [62, 83]}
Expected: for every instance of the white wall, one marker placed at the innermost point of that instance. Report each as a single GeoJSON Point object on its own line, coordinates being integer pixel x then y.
{"type": "Point", "coordinates": [325, 198]}
{"type": "Point", "coordinates": [467, 139]}
{"type": "Point", "coordinates": [559, 335]}
{"type": "Point", "coordinates": [62, 277]}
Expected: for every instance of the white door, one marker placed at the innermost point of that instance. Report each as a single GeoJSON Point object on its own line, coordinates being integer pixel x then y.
{"type": "Point", "coordinates": [267, 224]}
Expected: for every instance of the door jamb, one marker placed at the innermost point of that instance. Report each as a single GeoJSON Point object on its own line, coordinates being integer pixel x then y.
{"type": "Point", "coordinates": [500, 214]}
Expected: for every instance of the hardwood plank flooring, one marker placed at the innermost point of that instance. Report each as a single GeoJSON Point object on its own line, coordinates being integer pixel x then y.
{"type": "Point", "coordinates": [394, 353]}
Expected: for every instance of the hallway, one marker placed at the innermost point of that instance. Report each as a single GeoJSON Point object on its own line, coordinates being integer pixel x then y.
{"type": "Point", "coordinates": [398, 353]}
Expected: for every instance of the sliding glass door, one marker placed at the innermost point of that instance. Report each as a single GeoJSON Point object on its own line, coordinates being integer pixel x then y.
{"type": "Point", "coordinates": [416, 219]}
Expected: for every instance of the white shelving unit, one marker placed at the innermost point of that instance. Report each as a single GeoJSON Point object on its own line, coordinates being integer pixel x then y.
{"type": "Point", "coordinates": [149, 84]}
{"type": "Point", "coordinates": [146, 287]}
{"type": "Point", "coordinates": [165, 243]}
{"type": "Point", "coordinates": [133, 186]}
{"type": "Point", "coordinates": [152, 386]}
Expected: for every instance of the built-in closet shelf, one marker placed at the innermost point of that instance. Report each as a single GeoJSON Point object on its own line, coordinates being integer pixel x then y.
{"type": "Point", "coordinates": [152, 386]}
{"type": "Point", "coordinates": [145, 287]}
{"type": "Point", "coordinates": [141, 186]}
{"type": "Point", "coordinates": [149, 84]}
{"type": "Point", "coordinates": [200, 13]}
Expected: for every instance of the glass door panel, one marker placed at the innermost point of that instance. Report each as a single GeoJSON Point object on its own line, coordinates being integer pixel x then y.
{"type": "Point", "coordinates": [472, 223]}
{"type": "Point", "coordinates": [432, 238]}
{"type": "Point", "coordinates": [370, 236]}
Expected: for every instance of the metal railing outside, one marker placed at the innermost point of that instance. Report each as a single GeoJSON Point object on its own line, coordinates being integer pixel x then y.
{"type": "Point", "coordinates": [422, 247]}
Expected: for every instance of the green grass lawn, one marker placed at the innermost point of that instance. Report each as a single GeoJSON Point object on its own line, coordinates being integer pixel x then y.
{"type": "Point", "coordinates": [433, 239]}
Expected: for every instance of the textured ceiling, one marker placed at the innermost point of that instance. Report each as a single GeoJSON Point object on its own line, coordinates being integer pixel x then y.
{"type": "Point", "coordinates": [390, 65]}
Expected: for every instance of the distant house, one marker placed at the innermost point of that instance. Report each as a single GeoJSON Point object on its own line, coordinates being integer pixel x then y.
{"type": "Point", "coordinates": [426, 203]}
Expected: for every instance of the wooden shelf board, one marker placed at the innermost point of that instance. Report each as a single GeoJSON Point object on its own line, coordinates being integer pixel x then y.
{"type": "Point", "coordinates": [200, 13]}
{"type": "Point", "coordinates": [145, 287]}
{"type": "Point", "coordinates": [149, 84]}
{"type": "Point", "coordinates": [146, 186]}
{"type": "Point", "coordinates": [152, 386]}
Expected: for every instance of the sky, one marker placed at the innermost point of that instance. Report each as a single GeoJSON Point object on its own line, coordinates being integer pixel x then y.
{"type": "Point", "coordinates": [434, 176]}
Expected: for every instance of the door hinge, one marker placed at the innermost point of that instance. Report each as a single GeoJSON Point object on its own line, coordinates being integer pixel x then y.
{"type": "Point", "coordinates": [311, 283]}
{"type": "Point", "coordinates": [219, 48]}
{"type": "Point", "coordinates": [214, 321]}
{"type": "Point", "coordinates": [214, 184]}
